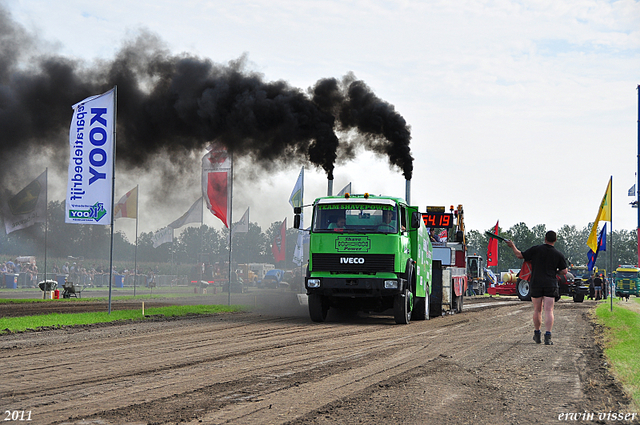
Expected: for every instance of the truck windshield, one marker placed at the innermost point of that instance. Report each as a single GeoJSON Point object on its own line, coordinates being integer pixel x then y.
{"type": "Point", "coordinates": [627, 275]}
{"type": "Point", "coordinates": [355, 218]}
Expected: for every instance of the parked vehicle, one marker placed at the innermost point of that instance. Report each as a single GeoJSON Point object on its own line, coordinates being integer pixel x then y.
{"type": "Point", "coordinates": [627, 282]}
{"type": "Point", "coordinates": [273, 278]}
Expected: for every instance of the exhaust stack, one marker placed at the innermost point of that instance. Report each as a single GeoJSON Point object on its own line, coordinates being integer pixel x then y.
{"type": "Point", "coordinates": [330, 187]}
{"type": "Point", "coordinates": [407, 195]}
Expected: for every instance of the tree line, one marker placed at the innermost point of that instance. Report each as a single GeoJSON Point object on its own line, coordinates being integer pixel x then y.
{"type": "Point", "coordinates": [622, 246]}
{"type": "Point", "coordinates": [190, 245]}
{"type": "Point", "coordinates": [208, 245]}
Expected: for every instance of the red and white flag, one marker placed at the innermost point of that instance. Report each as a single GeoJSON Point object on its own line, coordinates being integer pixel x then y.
{"type": "Point", "coordinates": [127, 206]}
{"type": "Point", "coordinates": [216, 182]}
{"type": "Point", "coordinates": [278, 248]}
{"type": "Point", "coordinates": [492, 249]}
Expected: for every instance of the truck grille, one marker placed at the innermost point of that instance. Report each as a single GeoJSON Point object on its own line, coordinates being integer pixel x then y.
{"type": "Point", "coordinates": [353, 263]}
{"type": "Point", "coordinates": [625, 284]}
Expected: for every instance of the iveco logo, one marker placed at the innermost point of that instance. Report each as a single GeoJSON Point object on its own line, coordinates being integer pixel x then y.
{"type": "Point", "coordinates": [351, 260]}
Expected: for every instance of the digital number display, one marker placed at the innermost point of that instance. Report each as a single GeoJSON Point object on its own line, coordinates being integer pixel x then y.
{"type": "Point", "coordinates": [437, 219]}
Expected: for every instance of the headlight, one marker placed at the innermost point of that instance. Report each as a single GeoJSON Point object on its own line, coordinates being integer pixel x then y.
{"type": "Point", "coordinates": [390, 284]}
{"type": "Point", "coordinates": [313, 283]}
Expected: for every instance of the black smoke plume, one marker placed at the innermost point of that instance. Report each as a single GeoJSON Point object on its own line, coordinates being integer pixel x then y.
{"type": "Point", "coordinates": [172, 106]}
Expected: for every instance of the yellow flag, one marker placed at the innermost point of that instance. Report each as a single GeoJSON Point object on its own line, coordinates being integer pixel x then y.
{"type": "Point", "coordinates": [605, 206]}
{"type": "Point", "coordinates": [604, 214]}
{"type": "Point", "coordinates": [127, 206]}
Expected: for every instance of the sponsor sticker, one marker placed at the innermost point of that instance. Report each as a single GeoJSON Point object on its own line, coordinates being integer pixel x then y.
{"type": "Point", "coordinates": [353, 244]}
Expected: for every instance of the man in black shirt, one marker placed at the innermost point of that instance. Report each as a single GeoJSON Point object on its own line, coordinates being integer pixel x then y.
{"type": "Point", "coordinates": [546, 263]}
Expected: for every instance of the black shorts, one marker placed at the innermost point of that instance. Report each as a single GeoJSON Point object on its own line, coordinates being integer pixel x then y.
{"type": "Point", "coordinates": [545, 291]}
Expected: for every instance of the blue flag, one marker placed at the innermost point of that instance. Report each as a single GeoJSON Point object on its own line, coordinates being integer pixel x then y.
{"type": "Point", "coordinates": [602, 246]}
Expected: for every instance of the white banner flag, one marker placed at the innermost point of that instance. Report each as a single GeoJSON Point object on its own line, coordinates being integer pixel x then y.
{"type": "Point", "coordinates": [346, 189]}
{"type": "Point", "coordinates": [162, 236]}
{"type": "Point", "coordinates": [89, 198]}
{"type": "Point", "coordinates": [27, 207]}
{"type": "Point", "coordinates": [243, 225]}
{"type": "Point", "coordinates": [194, 215]}
{"type": "Point", "coordinates": [297, 194]}
{"type": "Point", "coordinates": [298, 252]}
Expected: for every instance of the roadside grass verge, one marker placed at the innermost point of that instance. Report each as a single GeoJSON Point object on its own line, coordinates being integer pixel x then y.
{"type": "Point", "coordinates": [86, 298]}
{"type": "Point", "coordinates": [621, 342]}
{"type": "Point", "coordinates": [55, 320]}
{"type": "Point", "coordinates": [89, 299]}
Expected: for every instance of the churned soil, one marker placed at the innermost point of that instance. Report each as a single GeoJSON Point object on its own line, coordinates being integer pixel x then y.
{"type": "Point", "coordinates": [277, 367]}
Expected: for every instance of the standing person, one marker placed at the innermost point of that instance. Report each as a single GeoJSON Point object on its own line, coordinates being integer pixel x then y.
{"type": "Point", "coordinates": [546, 263]}
{"type": "Point", "coordinates": [597, 285]}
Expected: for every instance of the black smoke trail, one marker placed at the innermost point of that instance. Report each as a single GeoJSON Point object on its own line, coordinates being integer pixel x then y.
{"type": "Point", "coordinates": [171, 106]}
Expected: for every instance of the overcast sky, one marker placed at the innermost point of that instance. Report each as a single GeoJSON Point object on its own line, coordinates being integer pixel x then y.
{"type": "Point", "coordinates": [519, 110]}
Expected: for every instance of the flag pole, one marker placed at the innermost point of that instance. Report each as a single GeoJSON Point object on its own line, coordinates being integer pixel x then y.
{"type": "Point", "coordinates": [638, 179]}
{"type": "Point", "coordinates": [135, 254]}
{"type": "Point", "coordinates": [230, 201]}
{"type": "Point", "coordinates": [611, 247]}
{"type": "Point", "coordinates": [202, 234]}
{"type": "Point", "coordinates": [113, 189]}
{"type": "Point", "coordinates": [46, 219]}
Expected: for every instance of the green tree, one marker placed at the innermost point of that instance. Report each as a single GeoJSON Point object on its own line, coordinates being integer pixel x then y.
{"type": "Point", "coordinates": [251, 246]}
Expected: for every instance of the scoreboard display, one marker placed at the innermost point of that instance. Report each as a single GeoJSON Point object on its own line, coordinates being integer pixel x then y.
{"type": "Point", "coordinates": [437, 219]}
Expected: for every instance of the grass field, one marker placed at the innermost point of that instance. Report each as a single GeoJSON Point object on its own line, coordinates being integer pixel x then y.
{"type": "Point", "coordinates": [89, 299]}
{"type": "Point", "coordinates": [53, 320]}
{"type": "Point", "coordinates": [622, 343]}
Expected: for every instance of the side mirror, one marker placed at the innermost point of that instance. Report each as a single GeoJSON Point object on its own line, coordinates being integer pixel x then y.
{"type": "Point", "coordinates": [296, 218]}
{"type": "Point", "coordinates": [415, 220]}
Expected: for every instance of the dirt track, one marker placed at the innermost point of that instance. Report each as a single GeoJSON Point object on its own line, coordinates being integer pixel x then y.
{"type": "Point", "coordinates": [479, 367]}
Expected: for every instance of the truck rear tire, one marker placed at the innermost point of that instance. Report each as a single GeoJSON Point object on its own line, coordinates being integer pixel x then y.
{"type": "Point", "coordinates": [523, 290]}
{"type": "Point", "coordinates": [421, 308]}
{"type": "Point", "coordinates": [578, 298]}
{"type": "Point", "coordinates": [317, 308]}
{"type": "Point", "coordinates": [402, 308]}
{"type": "Point", "coordinates": [459, 303]}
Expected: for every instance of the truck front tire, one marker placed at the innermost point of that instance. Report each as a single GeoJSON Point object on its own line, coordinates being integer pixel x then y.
{"type": "Point", "coordinates": [578, 298]}
{"type": "Point", "coordinates": [317, 308]}
{"type": "Point", "coordinates": [402, 308]}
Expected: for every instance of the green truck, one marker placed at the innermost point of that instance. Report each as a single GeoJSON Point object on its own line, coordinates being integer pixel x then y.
{"type": "Point", "coordinates": [627, 281]}
{"type": "Point", "coordinates": [374, 254]}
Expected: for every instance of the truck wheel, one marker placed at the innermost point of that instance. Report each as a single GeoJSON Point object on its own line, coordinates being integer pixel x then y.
{"type": "Point", "coordinates": [421, 308]}
{"type": "Point", "coordinates": [523, 290]}
{"type": "Point", "coordinates": [578, 298]}
{"type": "Point", "coordinates": [459, 303]}
{"type": "Point", "coordinates": [402, 308]}
{"type": "Point", "coordinates": [317, 309]}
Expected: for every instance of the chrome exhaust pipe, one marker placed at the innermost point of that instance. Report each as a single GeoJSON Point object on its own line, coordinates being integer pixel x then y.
{"type": "Point", "coordinates": [407, 195]}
